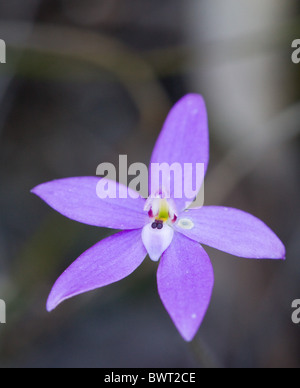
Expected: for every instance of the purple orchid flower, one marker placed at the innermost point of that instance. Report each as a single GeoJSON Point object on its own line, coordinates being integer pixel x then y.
{"type": "Point", "coordinates": [162, 226]}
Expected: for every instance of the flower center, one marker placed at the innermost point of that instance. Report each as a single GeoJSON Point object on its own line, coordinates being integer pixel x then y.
{"type": "Point", "coordinates": [160, 211]}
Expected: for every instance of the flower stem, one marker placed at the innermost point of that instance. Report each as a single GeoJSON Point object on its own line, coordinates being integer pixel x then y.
{"type": "Point", "coordinates": [203, 355]}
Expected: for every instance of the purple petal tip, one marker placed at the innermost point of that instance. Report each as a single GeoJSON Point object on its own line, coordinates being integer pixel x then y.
{"type": "Point", "coordinates": [107, 262]}
{"type": "Point", "coordinates": [185, 282]}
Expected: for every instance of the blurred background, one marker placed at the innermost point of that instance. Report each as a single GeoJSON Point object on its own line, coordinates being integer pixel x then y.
{"type": "Point", "coordinates": [88, 80]}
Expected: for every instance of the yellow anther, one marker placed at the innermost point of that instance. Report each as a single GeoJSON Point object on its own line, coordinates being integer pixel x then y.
{"type": "Point", "coordinates": [163, 212]}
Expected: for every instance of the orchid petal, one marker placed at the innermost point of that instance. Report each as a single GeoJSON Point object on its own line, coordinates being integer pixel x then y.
{"type": "Point", "coordinates": [185, 282]}
{"type": "Point", "coordinates": [77, 198]}
{"type": "Point", "coordinates": [156, 241]}
{"type": "Point", "coordinates": [233, 231]}
{"type": "Point", "coordinates": [109, 261]}
{"type": "Point", "coordinates": [183, 139]}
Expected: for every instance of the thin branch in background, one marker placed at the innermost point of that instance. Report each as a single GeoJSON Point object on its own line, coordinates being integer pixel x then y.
{"type": "Point", "coordinates": [281, 129]}
{"type": "Point", "coordinates": [6, 101]}
{"type": "Point", "coordinates": [103, 52]}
